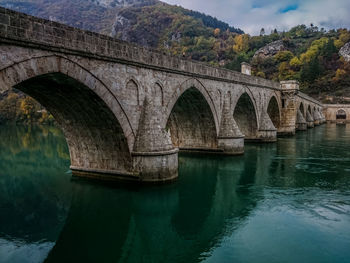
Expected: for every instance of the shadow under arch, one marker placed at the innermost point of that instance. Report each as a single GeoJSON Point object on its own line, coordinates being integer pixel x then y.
{"type": "Point", "coordinates": [302, 109]}
{"type": "Point", "coordinates": [81, 106]}
{"type": "Point", "coordinates": [191, 122]}
{"type": "Point", "coordinates": [21, 71]}
{"type": "Point", "coordinates": [182, 88]}
{"type": "Point", "coordinates": [273, 110]}
{"type": "Point", "coordinates": [94, 136]}
{"type": "Point", "coordinates": [340, 115]}
{"type": "Point", "coordinates": [246, 117]}
{"type": "Point", "coordinates": [91, 232]}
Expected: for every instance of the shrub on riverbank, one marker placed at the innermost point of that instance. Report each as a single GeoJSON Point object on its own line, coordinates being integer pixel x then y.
{"type": "Point", "coordinates": [16, 107]}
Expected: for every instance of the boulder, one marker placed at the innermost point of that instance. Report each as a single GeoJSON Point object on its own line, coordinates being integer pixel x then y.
{"type": "Point", "coordinates": [345, 52]}
{"type": "Point", "coordinates": [270, 49]}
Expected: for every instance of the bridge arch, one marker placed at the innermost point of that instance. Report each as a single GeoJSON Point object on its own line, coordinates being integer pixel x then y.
{"type": "Point", "coordinates": [302, 109]}
{"type": "Point", "coordinates": [245, 115]}
{"type": "Point", "coordinates": [340, 114]}
{"type": "Point", "coordinates": [97, 130]}
{"type": "Point", "coordinates": [274, 112]}
{"type": "Point", "coordinates": [191, 117]}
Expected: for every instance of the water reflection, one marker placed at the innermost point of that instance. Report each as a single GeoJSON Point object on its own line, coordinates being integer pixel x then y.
{"type": "Point", "coordinates": [222, 209]}
{"type": "Point", "coordinates": [34, 196]}
{"type": "Point", "coordinates": [175, 223]}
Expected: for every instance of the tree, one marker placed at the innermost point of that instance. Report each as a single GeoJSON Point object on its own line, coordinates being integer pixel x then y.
{"type": "Point", "coordinates": [28, 108]}
{"type": "Point", "coordinates": [262, 31]}
{"type": "Point", "coordinates": [284, 55]}
{"type": "Point", "coordinates": [311, 71]}
{"type": "Point", "coordinates": [216, 32]}
{"type": "Point", "coordinates": [241, 43]}
{"type": "Point", "coordinates": [314, 50]}
{"type": "Point", "coordinates": [329, 49]}
{"type": "Point", "coordinates": [295, 62]}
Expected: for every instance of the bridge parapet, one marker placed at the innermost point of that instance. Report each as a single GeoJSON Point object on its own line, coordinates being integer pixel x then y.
{"type": "Point", "coordinates": [24, 30]}
{"type": "Point", "coordinates": [306, 97]}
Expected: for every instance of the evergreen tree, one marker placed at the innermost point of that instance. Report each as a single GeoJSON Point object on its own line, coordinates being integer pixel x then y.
{"type": "Point", "coordinates": [262, 31]}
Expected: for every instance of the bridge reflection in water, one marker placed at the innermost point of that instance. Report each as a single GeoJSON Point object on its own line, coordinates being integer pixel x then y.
{"type": "Point", "coordinates": [170, 224]}
{"type": "Point", "coordinates": [200, 217]}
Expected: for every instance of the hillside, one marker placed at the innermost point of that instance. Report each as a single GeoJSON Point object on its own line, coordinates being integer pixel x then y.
{"type": "Point", "coordinates": [319, 59]}
{"type": "Point", "coordinates": [145, 22]}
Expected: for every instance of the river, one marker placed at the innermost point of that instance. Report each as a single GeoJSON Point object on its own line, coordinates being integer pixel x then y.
{"type": "Point", "coordinates": [282, 202]}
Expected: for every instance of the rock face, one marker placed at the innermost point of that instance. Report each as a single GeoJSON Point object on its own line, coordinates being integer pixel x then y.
{"type": "Point", "coordinates": [127, 26]}
{"type": "Point", "coordinates": [119, 3]}
{"type": "Point", "coordinates": [270, 49]}
{"type": "Point", "coordinates": [345, 52]}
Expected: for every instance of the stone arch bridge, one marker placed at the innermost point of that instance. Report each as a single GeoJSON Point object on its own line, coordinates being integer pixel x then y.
{"type": "Point", "coordinates": [126, 110]}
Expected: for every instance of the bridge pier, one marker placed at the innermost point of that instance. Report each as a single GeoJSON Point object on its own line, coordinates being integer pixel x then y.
{"type": "Point", "coordinates": [154, 157]}
{"type": "Point", "coordinates": [289, 90]}
{"type": "Point", "coordinates": [267, 131]}
{"type": "Point", "coordinates": [309, 119]}
{"type": "Point", "coordinates": [316, 118]}
{"type": "Point", "coordinates": [230, 138]}
{"type": "Point", "coordinates": [301, 124]}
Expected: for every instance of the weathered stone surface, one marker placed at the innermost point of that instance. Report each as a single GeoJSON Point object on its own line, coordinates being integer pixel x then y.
{"type": "Point", "coordinates": [345, 51]}
{"type": "Point", "coordinates": [309, 119]}
{"type": "Point", "coordinates": [126, 110]}
{"type": "Point", "coordinates": [301, 124]}
{"type": "Point", "coordinates": [267, 131]}
{"type": "Point", "coordinates": [230, 138]}
{"type": "Point", "coordinates": [317, 117]}
{"type": "Point", "coordinates": [270, 50]}
{"type": "Point", "coordinates": [330, 112]}
{"type": "Point", "coordinates": [289, 107]}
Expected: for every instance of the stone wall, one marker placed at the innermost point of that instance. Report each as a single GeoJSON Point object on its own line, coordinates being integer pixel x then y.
{"type": "Point", "coordinates": [330, 111]}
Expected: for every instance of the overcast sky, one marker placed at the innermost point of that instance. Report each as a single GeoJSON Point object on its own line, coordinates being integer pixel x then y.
{"type": "Point", "coordinates": [252, 15]}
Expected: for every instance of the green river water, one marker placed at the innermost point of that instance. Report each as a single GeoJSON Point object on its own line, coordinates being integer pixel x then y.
{"type": "Point", "coordinates": [282, 202]}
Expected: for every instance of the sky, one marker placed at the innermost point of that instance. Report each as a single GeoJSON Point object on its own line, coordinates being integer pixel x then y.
{"type": "Point", "coordinates": [252, 15]}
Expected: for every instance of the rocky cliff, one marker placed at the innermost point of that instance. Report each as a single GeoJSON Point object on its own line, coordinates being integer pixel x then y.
{"type": "Point", "coordinates": [345, 52]}
{"type": "Point", "coordinates": [270, 49]}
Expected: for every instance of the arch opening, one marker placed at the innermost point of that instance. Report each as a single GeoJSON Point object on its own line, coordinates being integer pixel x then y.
{"type": "Point", "coordinates": [94, 136]}
{"type": "Point", "coordinates": [245, 117]}
{"type": "Point", "coordinates": [191, 123]}
{"type": "Point", "coordinates": [274, 112]}
{"type": "Point", "coordinates": [341, 115]}
{"type": "Point", "coordinates": [309, 109]}
{"type": "Point", "coordinates": [302, 110]}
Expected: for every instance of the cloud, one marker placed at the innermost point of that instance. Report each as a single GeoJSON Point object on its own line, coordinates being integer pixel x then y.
{"type": "Point", "coordinates": [252, 15]}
